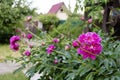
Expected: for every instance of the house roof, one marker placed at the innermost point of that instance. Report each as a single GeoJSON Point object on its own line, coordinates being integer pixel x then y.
{"type": "Point", "coordinates": [55, 7]}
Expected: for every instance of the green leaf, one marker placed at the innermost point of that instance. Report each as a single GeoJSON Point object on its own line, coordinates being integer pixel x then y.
{"type": "Point", "coordinates": [70, 76]}
{"type": "Point", "coordinates": [67, 54]}
{"type": "Point", "coordinates": [117, 77]}
{"type": "Point", "coordinates": [84, 69]}
{"type": "Point", "coordinates": [106, 63]}
{"type": "Point", "coordinates": [19, 69]}
{"type": "Point", "coordinates": [101, 70]}
{"type": "Point", "coordinates": [90, 76]}
{"type": "Point", "coordinates": [107, 78]}
{"type": "Point", "coordinates": [31, 71]}
{"type": "Point", "coordinates": [105, 1]}
{"type": "Point", "coordinates": [112, 63]}
{"type": "Point", "coordinates": [113, 78]}
{"type": "Point", "coordinates": [117, 73]}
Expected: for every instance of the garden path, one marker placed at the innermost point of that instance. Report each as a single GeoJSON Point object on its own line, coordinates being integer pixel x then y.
{"type": "Point", "coordinates": [8, 67]}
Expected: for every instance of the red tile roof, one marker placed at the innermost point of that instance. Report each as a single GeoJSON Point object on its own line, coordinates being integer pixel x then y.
{"type": "Point", "coordinates": [55, 8]}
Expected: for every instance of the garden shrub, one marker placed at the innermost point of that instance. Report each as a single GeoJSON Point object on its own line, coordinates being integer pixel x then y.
{"type": "Point", "coordinates": [49, 21]}
{"type": "Point", "coordinates": [72, 27]}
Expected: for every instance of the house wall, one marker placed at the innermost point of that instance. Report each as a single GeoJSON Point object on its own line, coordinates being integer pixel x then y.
{"type": "Point", "coordinates": [62, 15]}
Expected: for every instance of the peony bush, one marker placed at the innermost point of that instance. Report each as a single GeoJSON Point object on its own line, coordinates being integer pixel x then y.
{"type": "Point", "coordinates": [88, 57]}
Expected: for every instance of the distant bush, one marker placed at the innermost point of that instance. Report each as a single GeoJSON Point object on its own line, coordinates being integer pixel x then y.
{"type": "Point", "coordinates": [49, 21]}
{"type": "Point", "coordinates": [71, 27]}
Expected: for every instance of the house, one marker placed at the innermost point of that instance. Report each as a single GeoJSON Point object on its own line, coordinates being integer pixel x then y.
{"type": "Point", "coordinates": [60, 10]}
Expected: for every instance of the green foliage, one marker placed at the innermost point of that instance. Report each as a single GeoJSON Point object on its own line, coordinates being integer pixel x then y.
{"type": "Point", "coordinates": [72, 27]}
{"type": "Point", "coordinates": [11, 12]}
{"type": "Point", "coordinates": [95, 12]}
{"type": "Point", "coordinates": [93, 7]}
{"type": "Point", "coordinates": [92, 2]}
{"type": "Point", "coordinates": [49, 21]}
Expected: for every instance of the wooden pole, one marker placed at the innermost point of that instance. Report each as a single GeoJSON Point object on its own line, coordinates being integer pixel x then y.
{"type": "Point", "coordinates": [105, 26]}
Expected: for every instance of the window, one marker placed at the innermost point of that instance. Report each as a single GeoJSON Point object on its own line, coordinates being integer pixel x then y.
{"type": "Point", "coordinates": [61, 10]}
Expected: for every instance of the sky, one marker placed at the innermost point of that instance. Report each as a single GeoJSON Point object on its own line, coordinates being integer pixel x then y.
{"type": "Point", "coordinates": [43, 6]}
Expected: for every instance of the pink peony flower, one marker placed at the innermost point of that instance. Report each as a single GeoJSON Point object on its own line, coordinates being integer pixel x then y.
{"type": "Point", "coordinates": [29, 36]}
{"type": "Point", "coordinates": [89, 21]}
{"type": "Point", "coordinates": [56, 40]}
{"type": "Point", "coordinates": [55, 61]}
{"type": "Point", "coordinates": [89, 37]}
{"type": "Point", "coordinates": [90, 45]}
{"type": "Point", "coordinates": [27, 53]}
{"type": "Point", "coordinates": [50, 49]}
{"type": "Point", "coordinates": [13, 43]}
{"type": "Point", "coordinates": [90, 50]}
{"type": "Point", "coordinates": [75, 43]}
{"type": "Point", "coordinates": [14, 46]}
{"type": "Point", "coordinates": [67, 47]}
{"type": "Point", "coordinates": [13, 39]}
{"type": "Point", "coordinates": [29, 18]}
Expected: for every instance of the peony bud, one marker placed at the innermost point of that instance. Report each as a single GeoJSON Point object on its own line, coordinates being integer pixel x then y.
{"type": "Point", "coordinates": [27, 53]}
{"type": "Point", "coordinates": [55, 61]}
{"type": "Point", "coordinates": [56, 40]}
{"type": "Point", "coordinates": [67, 47]}
{"type": "Point", "coordinates": [75, 43]}
{"type": "Point", "coordinates": [43, 43]}
{"type": "Point", "coordinates": [29, 36]}
{"type": "Point", "coordinates": [31, 45]}
{"type": "Point", "coordinates": [23, 34]}
{"type": "Point", "coordinates": [29, 18]}
{"type": "Point", "coordinates": [50, 49]}
{"type": "Point", "coordinates": [89, 21]}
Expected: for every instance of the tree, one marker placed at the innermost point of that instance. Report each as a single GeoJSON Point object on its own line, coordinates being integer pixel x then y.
{"type": "Point", "coordinates": [11, 12]}
{"type": "Point", "coordinates": [109, 17]}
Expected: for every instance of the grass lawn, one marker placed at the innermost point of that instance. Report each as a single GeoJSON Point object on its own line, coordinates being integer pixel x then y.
{"type": "Point", "coordinates": [6, 51]}
{"type": "Point", "coordinates": [10, 76]}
